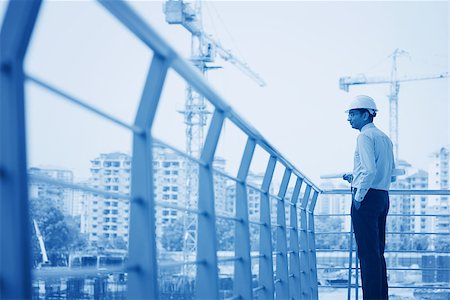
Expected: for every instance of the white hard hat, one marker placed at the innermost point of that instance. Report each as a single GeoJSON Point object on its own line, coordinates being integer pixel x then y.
{"type": "Point", "coordinates": [363, 102]}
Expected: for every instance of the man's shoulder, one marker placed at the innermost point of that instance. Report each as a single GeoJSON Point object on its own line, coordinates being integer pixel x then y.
{"type": "Point", "coordinates": [375, 131]}
{"type": "Point", "coordinates": [372, 134]}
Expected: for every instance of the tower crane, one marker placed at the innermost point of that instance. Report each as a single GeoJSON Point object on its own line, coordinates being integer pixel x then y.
{"type": "Point", "coordinates": [204, 49]}
{"type": "Point", "coordinates": [394, 81]}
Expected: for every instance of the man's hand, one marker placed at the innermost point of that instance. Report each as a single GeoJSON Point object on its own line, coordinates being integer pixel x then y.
{"type": "Point", "coordinates": [348, 177]}
{"type": "Point", "coordinates": [357, 204]}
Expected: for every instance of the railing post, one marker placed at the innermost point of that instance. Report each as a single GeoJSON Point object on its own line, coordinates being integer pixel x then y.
{"type": "Point", "coordinates": [294, 262]}
{"type": "Point", "coordinates": [282, 280]}
{"type": "Point", "coordinates": [143, 268]}
{"type": "Point", "coordinates": [15, 260]}
{"type": "Point", "coordinates": [304, 257]}
{"type": "Point", "coordinates": [356, 274]}
{"type": "Point", "coordinates": [265, 232]}
{"type": "Point", "coordinates": [312, 247]}
{"type": "Point", "coordinates": [243, 266]}
{"type": "Point", "coordinates": [207, 280]}
{"type": "Point", "coordinates": [350, 262]}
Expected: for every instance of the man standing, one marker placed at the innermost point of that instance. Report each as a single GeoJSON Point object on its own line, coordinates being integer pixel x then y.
{"type": "Point", "coordinates": [371, 178]}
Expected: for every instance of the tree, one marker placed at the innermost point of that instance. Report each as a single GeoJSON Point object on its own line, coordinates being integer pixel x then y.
{"type": "Point", "coordinates": [172, 237]}
{"type": "Point", "coordinates": [442, 244]}
{"type": "Point", "coordinates": [173, 234]}
{"type": "Point", "coordinates": [330, 241]}
{"type": "Point", "coordinates": [420, 242]}
{"type": "Point", "coordinates": [225, 234]}
{"type": "Point", "coordinates": [59, 232]}
{"type": "Point", "coordinates": [114, 243]}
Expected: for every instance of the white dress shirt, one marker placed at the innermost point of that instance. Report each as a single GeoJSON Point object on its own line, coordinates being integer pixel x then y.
{"type": "Point", "coordinates": [373, 161]}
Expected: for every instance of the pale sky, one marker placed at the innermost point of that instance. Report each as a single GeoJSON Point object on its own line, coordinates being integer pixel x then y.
{"type": "Point", "coordinates": [299, 48]}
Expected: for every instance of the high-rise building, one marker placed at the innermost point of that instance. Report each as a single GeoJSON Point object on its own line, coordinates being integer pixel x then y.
{"type": "Point", "coordinates": [438, 178]}
{"type": "Point", "coordinates": [61, 196]}
{"type": "Point", "coordinates": [253, 196]}
{"type": "Point", "coordinates": [106, 217]}
{"type": "Point", "coordinates": [335, 204]}
{"type": "Point", "coordinates": [399, 219]}
{"type": "Point", "coordinates": [418, 181]}
{"type": "Point", "coordinates": [169, 179]}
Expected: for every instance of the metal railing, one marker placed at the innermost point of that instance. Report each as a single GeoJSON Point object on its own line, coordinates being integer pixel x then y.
{"type": "Point", "coordinates": [351, 282]}
{"type": "Point", "coordinates": [293, 274]}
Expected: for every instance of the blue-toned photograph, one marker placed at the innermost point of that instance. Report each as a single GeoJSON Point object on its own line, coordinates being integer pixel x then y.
{"type": "Point", "coordinates": [206, 149]}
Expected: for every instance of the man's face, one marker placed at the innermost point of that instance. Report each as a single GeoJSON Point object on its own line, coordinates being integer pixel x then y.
{"type": "Point", "coordinates": [357, 119]}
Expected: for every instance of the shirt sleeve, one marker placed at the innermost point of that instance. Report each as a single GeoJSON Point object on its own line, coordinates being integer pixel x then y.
{"type": "Point", "coordinates": [393, 177]}
{"type": "Point", "coordinates": [366, 152]}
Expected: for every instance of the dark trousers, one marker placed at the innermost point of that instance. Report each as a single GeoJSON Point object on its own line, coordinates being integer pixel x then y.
{"type": "Point", "coordinates": [369, 223]}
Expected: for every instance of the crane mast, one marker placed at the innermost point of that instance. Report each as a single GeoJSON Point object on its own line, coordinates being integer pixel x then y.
{"type": "Point", "coordinates": [393, 101]}
{"type": "Point", "coordinates": [394, 82]}
{"type": "Point", "coordinates": [203, 50]}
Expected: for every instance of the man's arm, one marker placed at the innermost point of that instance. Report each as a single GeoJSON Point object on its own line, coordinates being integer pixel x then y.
{"type": "Point", "coordinates": [366, 152]}
{"type": "Point", "coordinates": [393, 177]}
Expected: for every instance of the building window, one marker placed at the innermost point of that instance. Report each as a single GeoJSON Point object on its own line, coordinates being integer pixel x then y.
{"type": "Point", "coordinates": [115, 211]}
{"type": "Point", "coordinates": [166, 164]}
{"type": "Point", "coordinates": [165, 188]}
{"type": "Point", "coordinates": [174, 197]}
{"type": "Point", "coordinates": [106, 211]}
{"type": "Point", "coordinates": [175, 188]}
{"type": "Point", "coordinates": [105, 219]}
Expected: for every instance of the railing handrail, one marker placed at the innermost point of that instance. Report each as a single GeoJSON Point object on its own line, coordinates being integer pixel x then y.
{"type": "Point", "coordinates": [391, 192]}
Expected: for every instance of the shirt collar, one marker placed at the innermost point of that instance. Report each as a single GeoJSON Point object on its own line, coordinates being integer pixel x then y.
{"type": "Point", "coordinates": [367, 126]}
